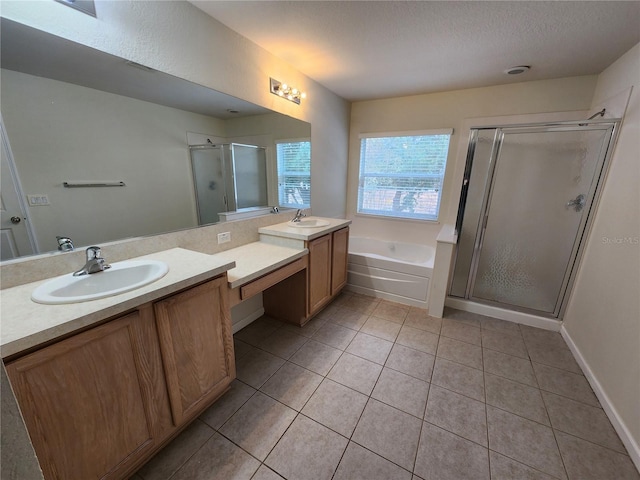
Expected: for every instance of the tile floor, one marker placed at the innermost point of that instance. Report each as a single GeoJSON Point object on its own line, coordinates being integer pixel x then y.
{"type": "Point", "coordinates": [376, 390]}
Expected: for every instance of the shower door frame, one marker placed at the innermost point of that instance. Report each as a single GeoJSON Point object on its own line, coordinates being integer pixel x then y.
{"type": "Point", "coordinates": [584, 227]}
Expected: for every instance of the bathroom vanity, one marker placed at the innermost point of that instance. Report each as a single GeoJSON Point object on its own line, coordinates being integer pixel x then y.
{"type": "Point", "coordinates": [104, 384]}
{"type": "Point", "coordinates": [101, 392]}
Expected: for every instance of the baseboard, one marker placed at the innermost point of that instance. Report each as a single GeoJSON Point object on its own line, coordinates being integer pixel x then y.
{"type": "Point", "coordinates": [243, 322]}
{"type": "Point", "coordinates": [504, 314]}
{"type": "Point", "coordinates": [618, 424]}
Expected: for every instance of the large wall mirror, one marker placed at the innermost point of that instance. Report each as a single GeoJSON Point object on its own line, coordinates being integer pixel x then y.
{"type": "Point", "coordinates": [77, 115]}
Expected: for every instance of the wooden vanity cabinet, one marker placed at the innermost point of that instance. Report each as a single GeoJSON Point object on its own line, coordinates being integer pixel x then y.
{"type": "Point", "coordinates": [327, 267]}
{"type": "Point", "coordinates": [196, 340]}
{"type": "Point", "coordinates": [98, 404]}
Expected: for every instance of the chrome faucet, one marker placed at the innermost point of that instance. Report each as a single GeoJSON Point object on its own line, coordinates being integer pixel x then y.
{"type": "Point", "coordinates": [65, 244]}
{"type": "Point", "coordinates": [95, 263]}
{"type": "Point", "coordinates": [298, 216]}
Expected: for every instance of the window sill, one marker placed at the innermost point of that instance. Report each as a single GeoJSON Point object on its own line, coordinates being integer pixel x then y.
{"type": "Point", "coordinates": [397, 219]}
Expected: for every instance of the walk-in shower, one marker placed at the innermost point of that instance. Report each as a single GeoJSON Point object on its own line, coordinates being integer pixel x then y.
{"type": "Point", "coordinates": [228, 177]}
{"type": "Point", "coordinates": [529, 194]}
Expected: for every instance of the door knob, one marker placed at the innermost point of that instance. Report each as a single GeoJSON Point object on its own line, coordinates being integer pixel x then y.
{"type": "Point", "coordinates": [15, 220]}
{"type": "Point", "coordinates": [577, 203]}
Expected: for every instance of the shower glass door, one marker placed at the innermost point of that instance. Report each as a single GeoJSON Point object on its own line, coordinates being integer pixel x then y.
{"type": "Point", "coordinates": [543, 184]}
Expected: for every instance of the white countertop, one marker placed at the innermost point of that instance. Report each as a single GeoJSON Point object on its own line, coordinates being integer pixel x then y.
{"type": "Point", "coordinates": [26, 324]}
{"type": "Point", "coordinates": [287, 231]}
{"type": "Point", "coordinates": [257, 259]}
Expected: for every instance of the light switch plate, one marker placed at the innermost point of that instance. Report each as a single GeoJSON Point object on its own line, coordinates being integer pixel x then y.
{"type": "Point", "coordinates": [38, 200]}
{"type": "Point", "coordinates": [224, 237]}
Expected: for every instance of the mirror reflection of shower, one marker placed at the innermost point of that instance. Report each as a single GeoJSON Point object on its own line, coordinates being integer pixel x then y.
{"type": "Point", "coordinates": [228, 177]}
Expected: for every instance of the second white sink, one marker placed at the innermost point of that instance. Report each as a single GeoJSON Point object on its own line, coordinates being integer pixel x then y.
{"type": "Point", "coordinates": [121, 277]}
{"type": "Point", "coordinates": [309, 223]}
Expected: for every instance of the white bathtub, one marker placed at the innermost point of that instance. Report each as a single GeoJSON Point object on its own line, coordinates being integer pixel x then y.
{"type": "Point", "coordinates": [395, 271]}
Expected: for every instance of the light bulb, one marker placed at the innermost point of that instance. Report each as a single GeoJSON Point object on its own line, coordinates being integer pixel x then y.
{"type": "Point", "coordinates": [303, 95]}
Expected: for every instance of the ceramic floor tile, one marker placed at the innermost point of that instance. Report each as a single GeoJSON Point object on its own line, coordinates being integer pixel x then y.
{"type": "Point", "coordinates": [503, 468]}
{"type": "Point", "coordinates": [508, 366]}
{"type": "Point", "coordinates": [218, 459]}
{"type": "Point", "coordinates": [460, 316]}
{"type": "Point", "coordinates": [389, 432]}
{"type": "Point", "coordinates": [567, 384]}
{"type": "Point", "coordinates": [502, 326]}
{"type": "Point", "coordinates": [459, 378]}
{"type": "Point", "coordinates": [317, 357]}
{"type": "Point", "coordinates": [587, 461]}
{"type": "Point", "coordinates": [457, 414]}
{"type": "Point", "coordinates": [460, 352]}
{"type": "Point", "coordinates": [240, 348]}
{"type": "Point", "coordinates": [309, 328]}
{"type": "Point", "coordinates": [402, 392]}
{"type": "Point", "coordinates": [355, 372]}
{"type": "Point", "coordinates": [361, 464]}
{"type": "Point", "coordinates": [370, 347]}
{"type": "Point", "coordinates": [334, 335]}
{"type": "Point", "coordinates": [174, 455]}
{"type": "Point", "coordinates": [445, 456]}
{"type": "Point", "coordinates": [382, 328]}
{"type": "Point", "coordinates": [282, 343]}
{"type": "Point", "coordinates": [412, 362]}
{"type": "Point", "coordinates": [292, 385]}
{"type": "Point", "coordinates": [541, 336]}
{"type": "Point", "coordinates": [461, 331]}
{"type": "Point", "coordinates": [394, 312]}
{"type": "Point", "coordinates": [505, 343]}
{"type": "Point", "coordinates": [308, 451]}
{"type": "Point", "coordinates": [525, 441]}
{"type": "Point", "coordinates": [584, 421]}
{"type": "Point", "coordinates": [362, 304]}
{"type": "Point", "coordinates": [516, 398]}
{"type": "Point", "coordinates": [553, 357]}
{"type": "Point", "coordinates": [336, 406]}
{"type": "Point", "coordinates": [349, 318]}
{"type": "Point", "coordinates": [258, 330]}
{"type": "Point", "coordinates": [257, 366]}
{"type": "Point", "coordinates": [418, 339]}
{"type": "Point", "coordinates": [265, 473]}
{"type": "Point", "coordinates": [420, 319]}
{"type": "Point", "coordinates": [258, 425]}
{"type": "Point", "coordinates": [227, 405]}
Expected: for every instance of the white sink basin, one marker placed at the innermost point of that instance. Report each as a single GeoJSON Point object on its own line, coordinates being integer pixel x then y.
{"type": "Point", "coordinates": [309, 223]}
{"type": "Point", "coordinates": [121, 277]}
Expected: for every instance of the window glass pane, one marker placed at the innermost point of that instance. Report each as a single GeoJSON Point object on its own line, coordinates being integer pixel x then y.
{"type": "Point", "coordinates": [402, 176]}
{"type": "Point", "coordinates": [294, 174]}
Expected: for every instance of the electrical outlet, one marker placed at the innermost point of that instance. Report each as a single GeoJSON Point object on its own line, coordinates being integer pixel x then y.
{"type": "Point", "coordinates": [38, 200]}
{"type": "Point", "coordinates": [224, 237]}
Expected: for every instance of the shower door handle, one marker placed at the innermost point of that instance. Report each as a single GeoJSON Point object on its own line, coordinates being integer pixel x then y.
{"type": "Point", "coordinates": [577, 203]}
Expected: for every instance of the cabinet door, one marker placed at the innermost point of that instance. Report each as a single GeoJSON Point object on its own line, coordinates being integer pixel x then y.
{"type": "Point", "coordinates": [340, 251]}
{"type": "Point", "coordinates": [319, 272]}
{"type": "Point", "coordinates": [196, 340]}
{"type": "Point", "coordinates": [84, 401]}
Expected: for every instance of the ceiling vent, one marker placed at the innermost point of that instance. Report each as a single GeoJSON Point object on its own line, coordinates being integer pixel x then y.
{"type": "Point", "coordinates": [517, 70]}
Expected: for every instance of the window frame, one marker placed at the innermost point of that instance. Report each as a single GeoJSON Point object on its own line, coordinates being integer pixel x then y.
{"type": "Point", "coordinates": [279, 175]}
{"type": "Point", "coordinates": [400, 215]}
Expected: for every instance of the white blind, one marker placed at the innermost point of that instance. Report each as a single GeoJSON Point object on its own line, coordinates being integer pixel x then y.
{"type": "Point", "coordinates": [402, 176]}
{"type": "Point", "coordinates": [294, 173]}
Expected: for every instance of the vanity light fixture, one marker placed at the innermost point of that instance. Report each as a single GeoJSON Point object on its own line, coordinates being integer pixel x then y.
{"type": "Point", "coordinates": [286, 91]}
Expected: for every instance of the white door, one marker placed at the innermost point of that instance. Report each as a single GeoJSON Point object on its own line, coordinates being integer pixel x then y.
{"type": "Point", "coordinates": [15, 237]}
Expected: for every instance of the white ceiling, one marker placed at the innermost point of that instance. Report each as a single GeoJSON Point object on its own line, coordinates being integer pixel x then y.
{"type": "Point", "coordinates": [377, 49]}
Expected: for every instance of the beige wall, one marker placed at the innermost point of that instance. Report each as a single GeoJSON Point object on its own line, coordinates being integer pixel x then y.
{"type": "Point", "coordinates": [603, 316]}
{"type": "Point", "coordinates": [178, 38]}
{"type": "Point", "coordinates": [449, 110]}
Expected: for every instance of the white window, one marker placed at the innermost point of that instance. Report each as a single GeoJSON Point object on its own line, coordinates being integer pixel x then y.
{"type": "Point", "coordinates": [401, 175]}
{"type": "Point", "coordinates": [294, 173]}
